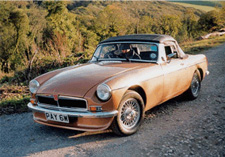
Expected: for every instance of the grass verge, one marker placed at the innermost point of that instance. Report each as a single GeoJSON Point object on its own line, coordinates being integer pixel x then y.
{"type": "Point", "coordinates": [16, 104]}
{"type": "Point", "coordinates": [196, 47]}
{"type": "Point", "coordinates": [13, 99]}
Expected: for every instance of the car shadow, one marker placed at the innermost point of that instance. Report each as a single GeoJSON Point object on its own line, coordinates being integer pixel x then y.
{"type": "Point", "coordinates": [46, 138]}
{"type": "Point", "coordinates": [73, 134]}
{"type": "Point", "coordinates": [166, 107]}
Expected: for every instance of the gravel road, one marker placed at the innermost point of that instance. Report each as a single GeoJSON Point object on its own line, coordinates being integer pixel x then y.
{"type": "Point", "coordinates": [175, 128]}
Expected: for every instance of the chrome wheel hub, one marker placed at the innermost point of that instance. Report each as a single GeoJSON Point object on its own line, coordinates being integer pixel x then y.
{"type": "Point", "coordinates": [130, 113]}
{"type": "Point", "coordinates": [195, 85]}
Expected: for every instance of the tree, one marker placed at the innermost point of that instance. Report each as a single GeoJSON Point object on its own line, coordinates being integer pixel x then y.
{"type": "Point", "coordinates": [168, 24]}
{"type": "Point", "coordinates": [145, 25]}
{"type": "Point", "coordinates": [14, 26]}
{"type": "Point", "coordinates": [61, 34]}
{"type": "Point", "coordinates": [190, 24]}
{"type": "Point", "coordinates": [90, 39]}
{"type": "Point", "coordinates": [212, 20]}
{"type": "Point", "coordinates": [111, 22]}
{"type": "Point", "coordinates": [37, 23]}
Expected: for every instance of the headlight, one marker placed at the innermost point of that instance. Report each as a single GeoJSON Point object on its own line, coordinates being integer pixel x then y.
{"type": "Point", "coordinates": [103, 92]}
{"type": "Point", "coordinates": [33, 86]}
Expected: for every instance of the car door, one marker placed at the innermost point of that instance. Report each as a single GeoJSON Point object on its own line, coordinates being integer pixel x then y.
{"type": "Point", "coordinates": [174, 70]}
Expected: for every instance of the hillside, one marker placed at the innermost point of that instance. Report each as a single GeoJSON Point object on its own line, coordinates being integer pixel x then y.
{"type": "Point", "coordinates": [142, 8]}
{"type": "Point", "coordinates": [65, 33]}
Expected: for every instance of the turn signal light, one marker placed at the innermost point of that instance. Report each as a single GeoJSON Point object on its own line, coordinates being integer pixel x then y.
{"type": "Point", "coordinates": [95, 108]}
{"type": "Point", "coordinates": [33, 101]}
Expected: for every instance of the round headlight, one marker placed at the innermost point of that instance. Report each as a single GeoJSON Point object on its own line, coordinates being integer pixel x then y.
{"type": "Point", "coordinates": [33, 86]}
{"type": "Point", "coordinates": [103, 92]}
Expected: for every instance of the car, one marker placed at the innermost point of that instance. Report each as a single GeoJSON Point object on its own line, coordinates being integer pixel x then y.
{"type": "Point", "coordinates": [126, 76]}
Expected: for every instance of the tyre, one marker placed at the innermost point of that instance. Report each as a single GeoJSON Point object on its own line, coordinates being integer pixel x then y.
{"type": "Point", "coordinates": [130, 114]}
{"type": "Point", "coordinates": [194, 89]}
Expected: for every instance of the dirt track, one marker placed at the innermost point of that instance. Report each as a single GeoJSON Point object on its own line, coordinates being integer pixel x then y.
{"type": "Point", "coordinates": [175, 128]}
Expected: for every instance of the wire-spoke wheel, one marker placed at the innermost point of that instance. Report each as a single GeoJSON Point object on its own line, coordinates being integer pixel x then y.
{"type": "Point", "coordinates": [195, 86]}
{"type": "Point", "coordinates": [130, 114]}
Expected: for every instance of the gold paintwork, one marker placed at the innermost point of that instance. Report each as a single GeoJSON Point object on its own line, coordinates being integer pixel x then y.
{"type": "Point", "coordinates": [159, 81]}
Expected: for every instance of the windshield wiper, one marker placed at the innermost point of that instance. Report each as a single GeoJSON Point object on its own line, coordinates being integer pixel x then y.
{"type": "Point", "coordinates": [144, 61]}
{"type": "Point", "coordinates": [127, 58]}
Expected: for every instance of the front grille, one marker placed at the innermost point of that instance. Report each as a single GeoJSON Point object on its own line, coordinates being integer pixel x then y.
{"type": "Point", "coordinates": [63, 102]}
{"type": "Point", "coordinates": [47, 100]}
{"type": "Point", "coordinates": [76, 103]}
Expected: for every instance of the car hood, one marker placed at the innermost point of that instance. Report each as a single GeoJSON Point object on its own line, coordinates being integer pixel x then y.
{"type": "Point", "coordinates": [79, 80]}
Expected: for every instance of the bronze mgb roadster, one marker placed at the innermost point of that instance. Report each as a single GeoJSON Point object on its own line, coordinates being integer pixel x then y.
{"type": "Point", "coordinates": [126, 76]}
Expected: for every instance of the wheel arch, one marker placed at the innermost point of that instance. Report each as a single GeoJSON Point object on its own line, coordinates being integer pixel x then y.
{"type": "Point", "coordinates": [201, 73]}
{"type": "Point", "coordinates": [140, 91]}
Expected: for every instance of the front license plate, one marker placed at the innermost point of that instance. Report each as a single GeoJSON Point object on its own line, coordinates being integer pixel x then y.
{"type": "Point", "coordinates": [57, 117]}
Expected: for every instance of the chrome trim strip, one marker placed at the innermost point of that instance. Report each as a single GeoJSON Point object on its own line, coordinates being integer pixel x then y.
{"type": "Point", "coordinates": [47, 106]}
{"type": "Point", "coordinates": [75, 114]}
{"type": "Point", "coordinates": [130, 59]}
{"type": "Point", "coordinates": [45, 95]}
{"type": "Point", "coordinates": [63, 97]}
{"type": "Point", "coordinates": [130, 41]}
{"type": "Point", "coordinates": [70, 97]}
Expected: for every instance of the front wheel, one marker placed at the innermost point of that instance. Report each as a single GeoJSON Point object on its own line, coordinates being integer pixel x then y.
{"type": "Point", "coordinates": [130, 114]}
{"type": "Point", "coordinates": [194, 89]}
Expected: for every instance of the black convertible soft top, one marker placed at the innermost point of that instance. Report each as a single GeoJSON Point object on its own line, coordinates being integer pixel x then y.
{"type": "Point", "coordinates": [158, 38]}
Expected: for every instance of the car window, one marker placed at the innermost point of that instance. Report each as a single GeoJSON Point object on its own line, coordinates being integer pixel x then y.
{"type": "Point", "coordinates": [128, 51]}
{"type": "Point", "coordinates": [170, 48]}
{"type": "Point", "coordinates": [96, 54]}
{"type": "Point", "coordinates": [106, 49]}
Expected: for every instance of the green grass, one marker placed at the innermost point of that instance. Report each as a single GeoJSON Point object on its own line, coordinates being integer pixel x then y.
{"type": "Point", "coordinates": [196, 47]}
{"type": "Point", "coordinates": [13, 99]}
{"type": "Point", "coordinates": [15, 104]}
{"type": "Point", "coordinates": [200, 7]}
{"type": "Point", "coordinates": [212, 3]}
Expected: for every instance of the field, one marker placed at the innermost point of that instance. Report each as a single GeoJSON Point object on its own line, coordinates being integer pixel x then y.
{"type": "Point", "coordinates": [200, 7]}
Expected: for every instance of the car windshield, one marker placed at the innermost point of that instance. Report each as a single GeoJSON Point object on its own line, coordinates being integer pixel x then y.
{"type": "Point", "coordinates": [145, 52]}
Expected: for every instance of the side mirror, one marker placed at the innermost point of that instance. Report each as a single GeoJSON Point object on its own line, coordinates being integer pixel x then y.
{"type": "Point", "coordinates": [170, 56]}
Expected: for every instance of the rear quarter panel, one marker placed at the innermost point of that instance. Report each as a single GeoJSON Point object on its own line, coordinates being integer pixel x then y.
{"type": "Point", "coordinates": [196, 62]}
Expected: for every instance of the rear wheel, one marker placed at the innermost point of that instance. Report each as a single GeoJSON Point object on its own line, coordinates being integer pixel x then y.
{"type": "Point", "coordinates": [130, 114]}
{"type": "Point", "coordinates": [194, 89]}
